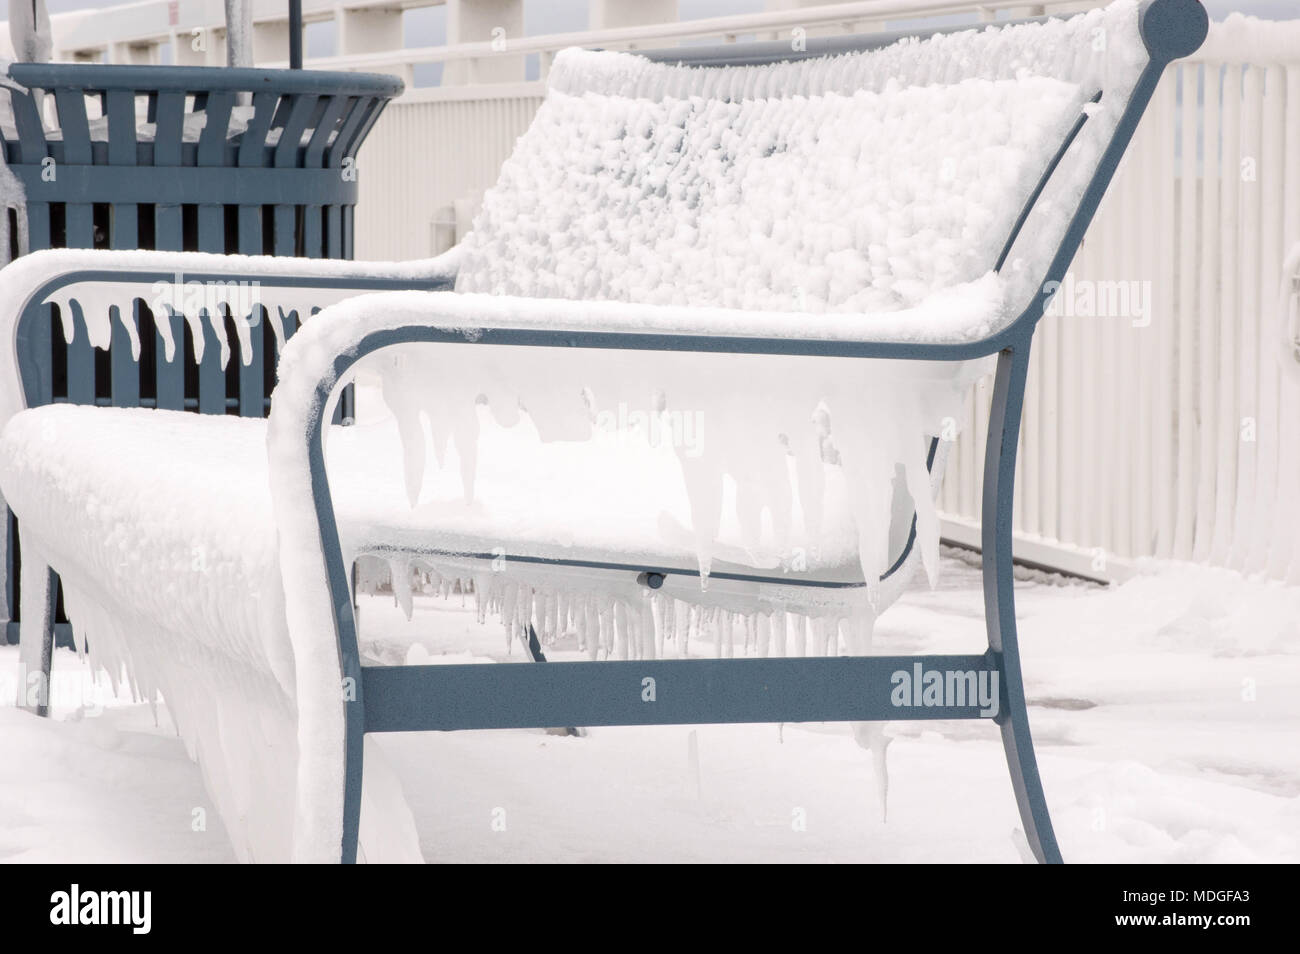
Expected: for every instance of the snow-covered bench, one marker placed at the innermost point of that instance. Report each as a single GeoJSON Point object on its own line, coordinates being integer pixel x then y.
{"type": "Point", "coordinates": [811, 252]}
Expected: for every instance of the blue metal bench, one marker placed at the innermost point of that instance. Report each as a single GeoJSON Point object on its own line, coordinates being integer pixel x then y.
{"type": "Point", "coordinates": [421, 698]}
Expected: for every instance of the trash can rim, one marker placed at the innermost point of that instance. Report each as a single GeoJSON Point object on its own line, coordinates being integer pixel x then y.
{"type": "Point", "coordinates": [199, 79]}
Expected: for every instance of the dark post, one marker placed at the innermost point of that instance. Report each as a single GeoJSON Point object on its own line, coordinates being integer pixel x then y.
{"type": "Point", "coordinates": [295, 34]}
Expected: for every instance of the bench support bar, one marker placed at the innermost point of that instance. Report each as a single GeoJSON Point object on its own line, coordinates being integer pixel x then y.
{"type": "Point", "coordinates": [680, 692]}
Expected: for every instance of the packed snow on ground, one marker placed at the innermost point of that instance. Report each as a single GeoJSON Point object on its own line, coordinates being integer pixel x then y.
{"type": "Point", "coordinates": [1165, 712]}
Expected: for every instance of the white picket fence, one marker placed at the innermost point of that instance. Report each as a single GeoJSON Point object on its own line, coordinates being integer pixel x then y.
{"type": "Point", "coordinates": [1157, 422]}
{"type": "Point", "coordinates": [1174, 433]}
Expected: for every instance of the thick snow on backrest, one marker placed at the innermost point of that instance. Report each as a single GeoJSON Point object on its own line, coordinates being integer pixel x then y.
{"type": "Point", "coordinates": [865, 202]}
{"type": "Point", "coordinates": [860, 182]}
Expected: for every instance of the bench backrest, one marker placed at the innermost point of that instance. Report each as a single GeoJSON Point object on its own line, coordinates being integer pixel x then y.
{"type": "Point", "coordinates": [856, 181]}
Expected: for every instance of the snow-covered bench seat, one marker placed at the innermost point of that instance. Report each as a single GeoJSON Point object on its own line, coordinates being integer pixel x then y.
{"type": "Point", "coordinates": [812, 253]}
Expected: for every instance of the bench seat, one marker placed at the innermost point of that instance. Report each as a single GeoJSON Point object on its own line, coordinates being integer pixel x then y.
{"type": "Point", "coordinates": [72, 470]}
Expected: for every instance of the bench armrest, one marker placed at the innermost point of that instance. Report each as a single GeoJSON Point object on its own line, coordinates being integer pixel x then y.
{"type": "Point", "coordinates": [98, 279]}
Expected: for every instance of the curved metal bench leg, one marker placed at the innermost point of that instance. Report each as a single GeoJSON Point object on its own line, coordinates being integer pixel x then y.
{"type": "Point", "coordinates": [999, 598]}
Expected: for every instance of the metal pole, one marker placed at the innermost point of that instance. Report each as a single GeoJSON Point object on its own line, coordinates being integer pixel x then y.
{"type": "Point", "coordinates": [295, 34]}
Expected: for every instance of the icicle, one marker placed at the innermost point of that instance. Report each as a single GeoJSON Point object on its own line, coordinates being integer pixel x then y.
{"type": "Point", "coordinates": [591, 628]}
{"type": "Point", "coordinates": [277, 316]}
{"type": "Point", "coordinates": [664, 620]}
{"type": "Point", "coordinates": [871, 736]}
{"type": "Point", "coordinates": [685, 617]}
{"type": "Point", "coordinates": [132, 332]}
{"type": "Point", "coordinates": [620, 630]}
{"type": "Point", "coordinates": [779, 628]}
{"type": "Point", "coordinates": [509, 595]}
{"type": "Point", "coordinates": [648, 632]}
{"type": "Point", "coordinates": [481, 596]}
{"type": "Point", "coordinates": [243, 331]}
{"type": "Point", "coordinates": [163, 323]}
{"type": "Point", "coordinates": [398, 394]}
{"type": "Point", "coordinates": [606, 619]}
{"type": "Point", "coordinates": [195, 321]}
{"type": "Point", "coordinates": [400, 573]}
{"type": "Point", "coordinates": [217, 321]}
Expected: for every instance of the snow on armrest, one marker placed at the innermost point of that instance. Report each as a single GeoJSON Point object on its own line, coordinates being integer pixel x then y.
{"type": "Point", "coordinates": [100, 279]}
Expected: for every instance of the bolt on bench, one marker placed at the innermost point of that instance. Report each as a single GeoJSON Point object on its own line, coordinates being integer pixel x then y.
{"type": "Point", "coordinates": [815, 251]}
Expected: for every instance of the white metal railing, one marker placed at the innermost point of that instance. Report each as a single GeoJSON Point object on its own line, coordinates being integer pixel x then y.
{"type": "Point", "coordinates": [369, 34]}
{"type": "Point", "coordinates": [843, 17]}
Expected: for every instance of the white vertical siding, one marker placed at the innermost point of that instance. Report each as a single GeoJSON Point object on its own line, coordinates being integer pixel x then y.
{"type": "Point", "coordinates": [427, 151]}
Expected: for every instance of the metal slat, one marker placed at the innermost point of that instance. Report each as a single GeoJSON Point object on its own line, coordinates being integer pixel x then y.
{"type": "Point", "coordinates": [80, 225]}
{"type": "Point", "coordinates": [1248, 399]}
{"type": "Point", "coordinates": [212, 141]}
{"type": "Point", "coordinates": [169, 228]}
{"type": "Point", "coordinates": [1284, 561]}
{"type": "Point", "coordinates": [212, 377]}
{"type": "Point", "coordinates": [125, 370]}
{"type": "Point", "coordinates": [81, 362]}
{"type": "Point", "coordinates": [1210, 384]}
{"type": "Point", "coordinates": [311, 231]}
{"type": "Point", "coordinates": [1272, 166]}
{"type": "Point", "coordinates": [1229, 230]}
{"type": "Point", "coordinates": [74, 127]}
{"type": "Point", "coordinates": [1165, 106]}
{"type": "Point", "coordinates": [301, 111]}
{"type": "Point", "coordinates": [169, 111]}
{"type": "Point", "coordinates": [170, 374]}
{"type": "Point", "coordinates": [333, 232]}
{"type": "Point", "coordinates": [212, 153]}
{"type": "Point", "coordinates": [38, 223]}
{"type": "Point", "coordinates": [212, 228]}
{"type": "Point", "coordinates": [120, 109]}
{"type": "Point", "coordinates": [252, 144]}
{"type": "Point", "coordinates": [314, 155]}
{"type": "Point", "coordinates": [285, 230]}
{"type": "Point", "coordinates": [250, 230]}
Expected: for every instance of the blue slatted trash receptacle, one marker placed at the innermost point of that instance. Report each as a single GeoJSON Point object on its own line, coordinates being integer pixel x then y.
{"type": "Point", "coordinates": [184, 158]}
